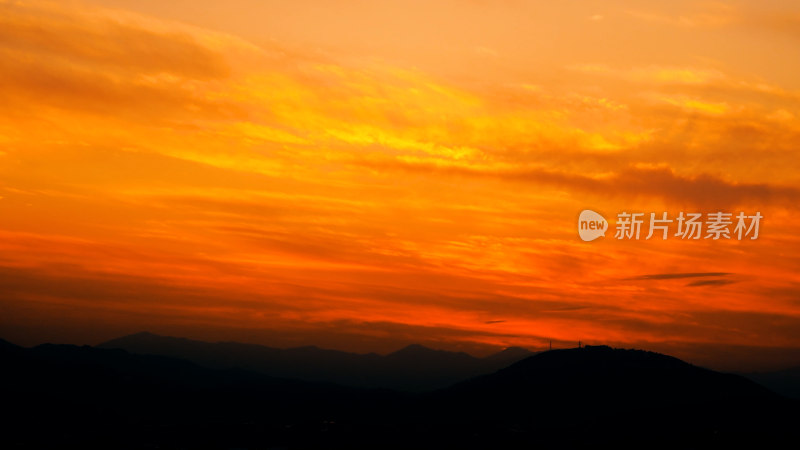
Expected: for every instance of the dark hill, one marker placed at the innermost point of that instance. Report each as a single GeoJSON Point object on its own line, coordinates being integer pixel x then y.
{"type": "Point", "coordinates": [603, 373]}
{"type": "Point", "coordinates": [785, 382]}
{"type": "Point", "coordinates": [619, 396]}
{"type": "Point", "coordinates": [413, 368]}
{"type": "Point", "coordinates": [594, 397]}
{"type": "Point", "coordinates": [85, 397]}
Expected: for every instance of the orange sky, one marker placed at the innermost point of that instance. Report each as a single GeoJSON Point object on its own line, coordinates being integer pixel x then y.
{"type": "Point", "coordinates": [363, 175]}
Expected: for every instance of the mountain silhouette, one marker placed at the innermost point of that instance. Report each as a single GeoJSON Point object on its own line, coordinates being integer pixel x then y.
{"type": "Point", "coordinates": [597, 389]}
{"type": "Point", "coordinates": [785, 382]}
{"type": "Point", "coordinates": [603, 372]}
{"type": "Point", "coordinates": [413, 368]}
{"type": "Point", "coordinates": [87, 397]}
{"type": "Point", "coordinates": [510, 355]}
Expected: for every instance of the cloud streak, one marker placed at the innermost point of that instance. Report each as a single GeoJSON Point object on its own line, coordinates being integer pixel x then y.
{"type": "Point", "coordinates": [703, 190]}
{"type": "Point", "coordinates": [671, 276]}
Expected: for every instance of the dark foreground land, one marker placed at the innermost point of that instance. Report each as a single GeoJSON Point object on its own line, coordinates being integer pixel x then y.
{"type": "Point", "coordinates": [56, 396]}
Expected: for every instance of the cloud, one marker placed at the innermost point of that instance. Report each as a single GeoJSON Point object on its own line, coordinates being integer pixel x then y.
{"type": "Point", "coordinates": [127, 44]}
{"type": "Point", "coordinates": [703, 190]}
{"type": "Point", "coordinates": [711, 282]}
{"type": "Point", "coordinates": [119, 67]}
{"type": "Point", "coordinates": [670, 276]}
{"type": "Point", "coordinates": [717, 278]}
{"type": "Point", "coordinates": [679, 276]}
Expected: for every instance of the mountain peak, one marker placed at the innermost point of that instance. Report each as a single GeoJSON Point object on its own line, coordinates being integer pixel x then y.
{"type": "Point", "coordinates": [414, 348]}
{"type": "Point", "coordinates": [148, 343]}
{"type": "Point", "coordinates": [509, 355]}
{"type": "Point", "coordinates": [421, 350]}
{"type": "Point", "coordinates": [143, 334]}
{"type": "Point", "coordinates": [513, 351]}
{"type": "Point", "coordinates": [420, 355]}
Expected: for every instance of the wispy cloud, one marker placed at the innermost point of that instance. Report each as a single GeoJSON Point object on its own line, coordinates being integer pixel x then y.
{"type": "Point", "coordinates": [711, 282]}
{"type": "Point", "coordinates": [704, 190]}
{"type": "Point", "coordinates": [671, 276]}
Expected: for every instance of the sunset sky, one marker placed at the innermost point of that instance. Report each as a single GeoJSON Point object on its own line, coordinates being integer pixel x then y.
{"type": "Point", "coordinates": [362, 175]}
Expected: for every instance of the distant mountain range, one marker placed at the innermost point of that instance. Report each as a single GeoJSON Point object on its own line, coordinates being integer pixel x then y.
{"type": "Point", "coordinates": [592, 397]}
{"type": "Point", "coordinates": [91, 398]}
{"type": "Point", "coordinates": [414, 368]}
